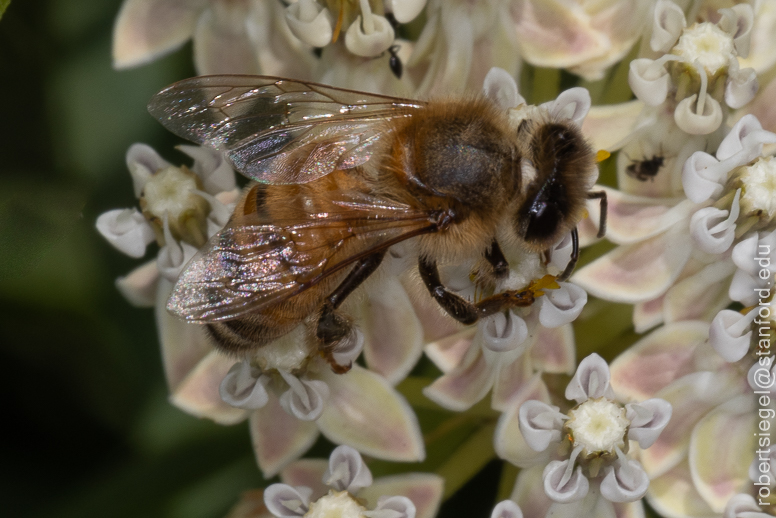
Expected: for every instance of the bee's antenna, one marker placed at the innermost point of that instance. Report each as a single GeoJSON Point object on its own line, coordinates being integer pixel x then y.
{"type": "Point", "coordinates": [574, 256]}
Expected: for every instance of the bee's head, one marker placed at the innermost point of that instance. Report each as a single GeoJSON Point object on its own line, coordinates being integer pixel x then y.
{"type": "Point", "coordinates": [564, 168]}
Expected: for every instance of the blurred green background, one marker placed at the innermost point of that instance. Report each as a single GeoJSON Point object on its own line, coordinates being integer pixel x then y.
{"type": "Point", "coordinates": [87, 430]}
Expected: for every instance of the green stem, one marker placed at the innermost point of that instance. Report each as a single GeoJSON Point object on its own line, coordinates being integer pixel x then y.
{"type": "Point", "coordinates": [507, 482]}
{"type": "Point", "coordinates": [468, 459]}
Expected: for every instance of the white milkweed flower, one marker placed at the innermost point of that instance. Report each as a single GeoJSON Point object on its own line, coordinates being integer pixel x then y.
{"type": "Point", "coordinates": [583, 452]}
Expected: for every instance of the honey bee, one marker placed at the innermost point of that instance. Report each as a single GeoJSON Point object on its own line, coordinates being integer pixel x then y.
{"type": "Point", "coordinates": [341, 176]}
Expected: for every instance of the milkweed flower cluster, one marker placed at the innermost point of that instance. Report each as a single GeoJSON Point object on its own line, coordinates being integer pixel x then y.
{"type": "Point", "coordinates": [680, 417]}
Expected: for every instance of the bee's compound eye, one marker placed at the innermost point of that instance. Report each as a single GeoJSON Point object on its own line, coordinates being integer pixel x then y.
{"type": "Point", "coordinates": [543, 220]}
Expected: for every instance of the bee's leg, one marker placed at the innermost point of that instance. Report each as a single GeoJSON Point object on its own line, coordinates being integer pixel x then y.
{"type": "Point", "coordinates": [496, 258]}
{"type": "Point", "coordinates": [574, 256]}
{"type": "Point", "coordinates": [461, 309]}
{"type": "Point", "coordinates": [600, 195]}
{"type": "Point", "coordinates": [333, 326]}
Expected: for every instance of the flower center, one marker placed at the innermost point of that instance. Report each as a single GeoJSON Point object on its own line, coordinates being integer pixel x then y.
{"type": "Point", "coordinates": [170, 192]}
{"type": "Point", "coordinates": [759, 187]}
{"type": "Point", "coordinates": [708, 44]}
{"type": "Point", "coordinates": [598, 425]}
{"type": "Point", "coordinates": [289, 353]}
{"type": "Point", "coordinates": [337, 504]}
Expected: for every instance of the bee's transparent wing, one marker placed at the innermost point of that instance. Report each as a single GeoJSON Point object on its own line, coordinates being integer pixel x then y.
{"type": "Point", "coordinates": [252, 264]}
{"type": "Point", "coordinates": [276, 130]}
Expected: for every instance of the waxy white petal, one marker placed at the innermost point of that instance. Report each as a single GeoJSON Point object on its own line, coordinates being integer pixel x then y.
{"type": "Point", "coordinates": [626, 481]}
{"type": "Point", "coordinates": [393, 507]}
{"type": "Point", "coordinates": [540, 424]}
{"type": "Point", "coordinates": [509, 442]}
{"type": "Point", "coordinates": [369, 44]}
{"type": "Point", "coordinates": [562, 306]}
{"type": "Point", "coordinates": [745, 141]}
{"type": "Point", "coordinates": [244, 387]}
{"type": "Point", "coordinates": [738, 21]}
{"type": "Point", "coordinates": [667, 26]}
{"type": "Point", "coordinates": [143, 161]}
{"type": "Point", "coordinates": [690, 121]}
{"type": "Point", "coordinates": [285, 501]}
{"type": "Point", "coordinates": [648, 419]}
{"type": "Point", "coordinates": [713, 229]}
{"type": "Point", "coordinates": [347, 471]}
{"type": "Point", "coordinates": [501, 88]}
{"type": "Point", "coordinates": [209, 164]}
{"type": "Point", "coordinates": [590, 381]}
{"type": "Point", "coordinates": [501, 333]}
{"type": "Point", "coordinates": [465, 385]}
{"type": "Point", "coordinates": [561, 487]}
{"type": "Point", "coordinates": [365, 412]}
{"type": "Point", "coordinates": [423, 489]}
{"type": "Point", "coordinates": [506, 509]}
{"type": "Point", "coordinates": [730, 334]}
{"type": "Point", "coordinates": [703, 176]}
{"type": "Point", "coordinates": [572, 104]}
{"type": "Point", "coordinates": [741, 86]}
{"type": "Point", "coordinates": [649, 81]}
{"type": "Point", "coordinates": [221, 42]}
{"type": "Point", "coordinates": [127, 230]}
{"type": "Point", "coordinates": [305, 399]}
{"type": "Point", "coordinates": [743, 506]}
{"type": "Point", "coordinates": [310, 22]}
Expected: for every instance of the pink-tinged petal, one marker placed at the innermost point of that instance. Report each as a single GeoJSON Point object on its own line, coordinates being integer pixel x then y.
{"type": "Point", "coordinates": [629, 510]}
{"type": "Point", "coordinates": [648, 314]}
{"type": "Point", "coordinates": [511, 378]}
{"type": "Point", "coordinates": [307, 473]}
{"type": "Point", "coordinates": [183, 344]}
{"type": "Point", "coordinates": [700, 296]}
{"type": "Point", "coordinates": [554, 351]}
{"type": "Point", "coordinates": [656, 360]}
{"type": "Point", "coordinates": [393, 334]}
{"type": "Point", "coordinates": [634, 218]}
{"type": "Point", "coordinates": [197, 394]}
{"type": "Point", "coordinates": [447, 353]}
{"type": "Point", "coordinates": [465, 385]}
{"type": "Point", "coordinates": [140, 285]}
{"type": "Point", "coordinates": [424, 489]}
{"type": "Point", "coordinates": [607, 126]}
{"type": "Point", "coordinates": [221, 44]}
{"type": "Point", "coordinates": [729, 432]}
{"type": "Point", "coordinates": [147, 29]}
{"type": "Point", "coordinates": [529, 492]}
{"type": "Point", "coordinates": [365, 412]}
{"type": "Point", "coordinates": [763, 106]}
{"type": "Point", "coordinates": [637, 272]}
{"type": "Point", "coordinates": [673, 495]}
{"type": "Point", "coordinates": [691, 398]}
{"type": "Point", "coordinates": [278, 437]}
{"type": "Point", "coordinates": [508, 440]}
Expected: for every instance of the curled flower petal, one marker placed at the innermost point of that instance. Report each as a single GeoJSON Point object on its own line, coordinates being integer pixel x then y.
{"type": "Point", "coordinates": [744, 288]}
{"type": "Point", "coordinates": [563, 305]}
{"type": "Point", "coordinates": [506, 509]}
{"type": "Point", "coordinates": [726, 334]}
{"type": "Point", "coordinates": [748, 253]}
{"type": "Point", "coordinates": [173, 256]}
{"type": "Point", "coordinates": [563, 487]}
{"type": "Point", "coordinates": [540, 424]}
{"type": "Point", "coordinates": [625, 482]}
{"type": "Point", "coordinates": [500, 87]}
{"type": "Point", "coordinates": [738, 21]}
{"type": "Point", "coordinates": [669, 21]}
{"type": "Point", "coordinates": [572, 104]}
{"type": "Point", "coordinates": [244, 387]}
{"type": "Point", "coordinates": [143, 161]}
{"type": "Point", "coordinates": [347, 471]}
{"type": "Point", "coordinates": [365, 43]}
{"type": "Point", "coordinates": [285, 501]}
{"type": "Point", "coordinates": [648, 419]}
{"type": "Point", "coordinates": [560, 253]}
{"type": "Point", "coordinates": [305, 399]}
{"type": "Point", "coordinates": [590, 381]}
{"type": "Point", "coordinates": [649, 81]}
{"type": "Point", "coordinates": [127, 230]}
{"type": "Point", "coordinates": [209, 164]}
{"type": "Point", "coordinates": [745, 141]}
{"type": "Point", "coordinates": [741, 85]}
{"type": "Point", "coordinates": [703, 176]}
{"type": "Point", "coordinates": [310, 22]}
{"type": "Point", "coordinates": [423, 489]}
{"type": "Point", "coordinates": [502, 332]}
{"type": "Point", "coordinates": [347, 350]}
{"type": "Point", "coordinates": [405, 10]}
{"type": "Point", "coordinates": [694, 123]}
{"type": "Point", "coordinates": [711, 235]}
{"type": "Point", "coordinates": [393, 507]}
{"type": "Point", "coordinates": [743, 506]}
